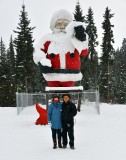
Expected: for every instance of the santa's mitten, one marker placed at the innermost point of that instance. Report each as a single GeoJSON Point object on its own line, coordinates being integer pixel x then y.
{"type": "Point", "coordinates": [80, 33]}
{"type": "Point", "coordinates": [45, 62]}
{"type": "Point", "coordinates": [37, 56]}
{"type": "Point", "coordinates": [45, 69]}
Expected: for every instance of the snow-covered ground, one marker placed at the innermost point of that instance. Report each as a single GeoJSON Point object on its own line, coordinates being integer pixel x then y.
{"type": "Point", "coordinates": [97, 137]}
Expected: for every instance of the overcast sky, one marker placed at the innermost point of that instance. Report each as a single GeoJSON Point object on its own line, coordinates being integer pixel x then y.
{"type": "Point", "coordinates": [40, 12]}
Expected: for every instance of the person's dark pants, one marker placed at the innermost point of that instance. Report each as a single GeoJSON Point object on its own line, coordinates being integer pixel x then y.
{"type": "Point", "coordinates": [56, 133]}
{"type": "Point", "coordinates": [68, 129]}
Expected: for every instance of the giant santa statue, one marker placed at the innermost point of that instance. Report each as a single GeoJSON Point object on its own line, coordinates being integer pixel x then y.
{"type": "Point", "coordinates": [58, 53]}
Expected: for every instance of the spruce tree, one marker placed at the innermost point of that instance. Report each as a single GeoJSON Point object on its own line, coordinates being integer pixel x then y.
{"type": "Point", "coordinates": [92, 34]}
{"type": "Point", "coordinates": [107, 55]}
{"type": "Point", "coordinates": [25, 67]}
{"type": "Point", "coordinates": [119, 69]}
{"type": "Point", "coordinates": [3, 74]}
{"type": "Point", "coordinates": [122, 89]}
{"type": "Point", "coordinates": [78, 14]}
{"type": "Point", "coordinates": [39, 81]}
{"type": "Point", "coordinates": [92, 53]}
{"type": "Point", "coordinates": [10, 81]}
{"type": "Point", "coordinates": [11, 57]}
{"type": "Point", "coordinates": [7, 81]}
{"type": "Point", "coordinates": [112, 73]}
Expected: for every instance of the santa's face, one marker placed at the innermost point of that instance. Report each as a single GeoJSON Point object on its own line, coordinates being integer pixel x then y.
{"type": "Point", "coordinates": [61, 24]}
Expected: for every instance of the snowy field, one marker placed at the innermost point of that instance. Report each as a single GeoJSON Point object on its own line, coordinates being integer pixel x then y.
{"type": "Point", "coordinates": [97, 137]}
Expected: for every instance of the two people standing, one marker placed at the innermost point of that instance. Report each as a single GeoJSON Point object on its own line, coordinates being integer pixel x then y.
{"type": "Point", "coordinates": [61, 117]}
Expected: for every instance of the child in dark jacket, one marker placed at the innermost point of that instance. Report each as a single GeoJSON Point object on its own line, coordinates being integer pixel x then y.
{"type": "Point", "coordinates": [68, 112]}
{"type": "Point", "coordinates": [54, 116]}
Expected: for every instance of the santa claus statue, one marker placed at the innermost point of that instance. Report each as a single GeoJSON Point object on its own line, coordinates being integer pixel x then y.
{"type": "Point", "coordinates": [58, 53]}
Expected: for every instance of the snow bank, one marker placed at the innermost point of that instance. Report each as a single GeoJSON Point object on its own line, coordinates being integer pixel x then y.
{"type": "Point", "coordinates": [97, 137]}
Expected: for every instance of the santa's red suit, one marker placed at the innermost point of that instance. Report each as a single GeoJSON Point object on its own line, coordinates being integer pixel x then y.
{"type": "Point", "coordinates": [59, 53]}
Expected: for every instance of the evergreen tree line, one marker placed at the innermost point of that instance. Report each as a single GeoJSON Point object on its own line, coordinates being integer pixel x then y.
{"type": "Point", "coordinates": [18, 72]}
{"type": "Point", "coordinates": [106, 73]}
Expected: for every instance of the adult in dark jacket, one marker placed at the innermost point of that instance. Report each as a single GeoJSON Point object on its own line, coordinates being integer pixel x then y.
{"type": "Point", "coordinates": [54, 116]}
{"type": "Point", "coordinates": [68, 112]}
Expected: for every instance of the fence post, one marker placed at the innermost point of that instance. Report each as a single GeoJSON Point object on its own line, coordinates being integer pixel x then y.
{"type": "Point", "coordinates": [27, 99]}
{"type": "Point", "coordinates": [97, 102]}
{"type": "Point", "coordinates": [79, 101]}
{"type": "Point", "coordinates": [17, 103]}
{"type": "Point", "coordinates": [47, 101]}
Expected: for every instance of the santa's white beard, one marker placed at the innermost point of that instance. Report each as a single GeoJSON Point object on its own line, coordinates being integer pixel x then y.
{"type": "Point", "coordinates": [55, 30]}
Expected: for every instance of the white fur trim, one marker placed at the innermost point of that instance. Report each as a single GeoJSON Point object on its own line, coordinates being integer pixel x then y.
{"type": "Point", "coordinates": [63, 88]}
{"type": "Point", "coordinates": [60, 14]}
{"type": "Point", "coordinates": [79, 45]}
{"type": "Point", "coordinates": [62, 77]}
{"type": "Point", "coordinates": [62, 61]}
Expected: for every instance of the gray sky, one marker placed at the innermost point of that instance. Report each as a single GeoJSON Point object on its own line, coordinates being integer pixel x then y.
{"type": "Point", "coordinates": [40, 12]}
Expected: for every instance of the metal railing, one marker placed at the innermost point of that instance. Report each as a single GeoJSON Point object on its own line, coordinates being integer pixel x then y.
{"type": "Point", "coordinates": [24, 100]}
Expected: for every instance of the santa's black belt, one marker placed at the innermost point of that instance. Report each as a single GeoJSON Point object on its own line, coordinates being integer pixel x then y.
{"type": "Point", "coordinates": [46, 69]}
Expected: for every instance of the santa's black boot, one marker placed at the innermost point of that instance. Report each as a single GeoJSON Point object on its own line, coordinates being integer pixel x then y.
{"type": "Point", "coordinates": [54, 144]}
{"type": "Point", "coordinates": [59, 143]}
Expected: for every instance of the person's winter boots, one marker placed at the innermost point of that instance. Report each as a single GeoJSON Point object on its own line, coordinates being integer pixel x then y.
{"type": "Point", "coordinates": [64, 146]}
{"type": "Point", "coordinates": [54, 144]}
{"type": "Point", "coordinates": [59, 144]}
{"type": "Point", "coordinates": [72, 147]}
